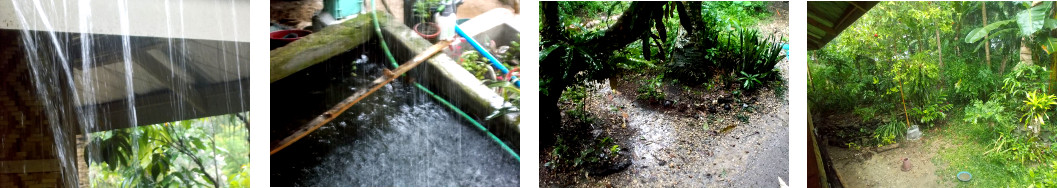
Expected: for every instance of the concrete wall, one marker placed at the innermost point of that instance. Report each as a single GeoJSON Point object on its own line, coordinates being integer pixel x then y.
{"type": "Point", "coordinates": [204, 19]}
{"type": "Point", "coordinates": [449, 80]}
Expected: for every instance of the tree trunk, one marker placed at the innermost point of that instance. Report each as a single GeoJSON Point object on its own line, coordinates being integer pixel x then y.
{"type": "Point", "coordinates": [690, 15]}
{"type": "Point", "coordinates": [939, 52]}
{"type": "Point", "coordinates": [987, 37]}
{"type": "Point", "coordinates": [1025, 51]}
{"type": "Point", "coordinates": [1053, 56]}
{"type": "Point", "coordinates": [646, 46]}
{"type": "Point", "coordinates": [551, 27]}
{"type": "Point", "coordinates": [557, 72]}
{"type": "Point", "coordinates": [939, 47]}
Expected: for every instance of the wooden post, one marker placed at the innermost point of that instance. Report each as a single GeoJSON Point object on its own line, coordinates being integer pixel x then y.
{"type": "Point", "coordinates": [907, 115]}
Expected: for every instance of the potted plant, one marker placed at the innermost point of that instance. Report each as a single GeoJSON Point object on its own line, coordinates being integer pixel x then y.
{"type": "Point", "coordinates": [423, 14]}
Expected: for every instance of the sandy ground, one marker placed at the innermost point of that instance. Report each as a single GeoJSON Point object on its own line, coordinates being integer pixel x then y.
{"type": "Point", "coordinates": [876, 168]}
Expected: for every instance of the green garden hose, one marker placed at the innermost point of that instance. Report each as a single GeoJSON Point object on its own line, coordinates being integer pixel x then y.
{"type": "Point", "coordinates": [392, 60]}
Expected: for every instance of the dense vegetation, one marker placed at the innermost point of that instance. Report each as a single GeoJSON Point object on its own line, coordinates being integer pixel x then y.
{"type": "Point", "coordinates": [205, 152]}
{"type": "Point", "coordinates": [686, 44]}
{"type": "Point", "coordinates": [984, 85]}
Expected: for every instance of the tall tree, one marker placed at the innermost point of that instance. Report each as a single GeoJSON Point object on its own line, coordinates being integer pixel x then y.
{"type": "Point", "coordinates": [987, 40]}
{"type": "Point", "coordinates": [564, 58]}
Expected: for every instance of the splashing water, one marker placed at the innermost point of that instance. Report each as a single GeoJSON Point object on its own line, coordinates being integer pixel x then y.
{"type": "Point", "coordinates": [89, 78]}
{"type": "Point", "coordinates": [398, 136]}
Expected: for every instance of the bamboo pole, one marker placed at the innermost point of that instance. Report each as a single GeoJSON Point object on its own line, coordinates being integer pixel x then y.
{"type": "Point", "coordinates": [333, 113]}
{"type": "Point", "coordinates": [905, 114]}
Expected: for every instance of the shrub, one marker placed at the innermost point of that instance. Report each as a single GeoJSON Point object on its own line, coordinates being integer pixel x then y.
{"type": "Point", "coordinates": [979, 113]}
{"type": "Point", "coordinates": [739, 51]}
{"type": "Point", "coordinates": [933, 111]}
{"type": "Point", "coordinates": [652, 89]}
{"type": "Point", "coordinates": [867, 113]}
{"type": "Point", "coordinates": [474, 63]}
{"type": "Point", "coordinates": [756, 56]}
{"type": "Point", "coordinates": [576, 95]}
{"type": "Point", "coordinates": [1037, 105]}
{"type": "Point", "coordinates": [750, 81]}
{"type": "Point", "coordinates": [888, 133]}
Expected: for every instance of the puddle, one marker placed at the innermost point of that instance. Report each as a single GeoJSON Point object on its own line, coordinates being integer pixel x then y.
{"type": "Point", "coordinates": [398, 136]}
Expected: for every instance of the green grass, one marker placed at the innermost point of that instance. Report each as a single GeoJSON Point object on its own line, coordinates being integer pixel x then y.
{"type": "Point", "coordinates": [966, 154]}
{"type": "Point", "coordinates": [968, 145]}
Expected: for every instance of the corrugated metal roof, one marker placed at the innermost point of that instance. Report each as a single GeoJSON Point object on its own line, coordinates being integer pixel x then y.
{"type": "Point", "coordinates": [826, 19]}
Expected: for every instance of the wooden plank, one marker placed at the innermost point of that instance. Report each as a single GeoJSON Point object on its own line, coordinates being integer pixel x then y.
{"type": "Point", "coordinates": [154, 108]}
{"type": "Point", "coordinates": [29, 166]}
{"type": "Point", "coordinates": [356, 97]}
{"type": "Point", "coordinates": [154, 65]}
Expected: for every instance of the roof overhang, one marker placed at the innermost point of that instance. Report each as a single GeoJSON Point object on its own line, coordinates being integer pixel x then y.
{"type": "Point", "coordinates": [827, 19]}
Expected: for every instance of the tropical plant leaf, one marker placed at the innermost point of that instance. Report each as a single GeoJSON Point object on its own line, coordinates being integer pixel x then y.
{"type": "Point", "coordinates": [1049, 44]}
{"type": "Point", "coordinates": [1050, 24]}
{"type": "Point", "coordinates": [979, 33]}
{"type": "Point", "coordinates": [1033, 19]}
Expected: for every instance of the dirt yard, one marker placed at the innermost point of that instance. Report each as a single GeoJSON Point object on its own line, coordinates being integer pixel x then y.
{"type": "Point", "coordinates": [883, 168]}
{"type": "Point", "coordinates": [697, 142]}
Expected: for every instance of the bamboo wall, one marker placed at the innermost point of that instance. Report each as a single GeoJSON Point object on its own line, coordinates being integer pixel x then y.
{"type": "Point", "coordinates": [27, 151]}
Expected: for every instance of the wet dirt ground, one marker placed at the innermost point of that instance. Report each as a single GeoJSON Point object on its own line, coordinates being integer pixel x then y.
{"type": "Point", "coordinates": [676, 149]}
{"type": "Point", "coordinates": [699, 141]}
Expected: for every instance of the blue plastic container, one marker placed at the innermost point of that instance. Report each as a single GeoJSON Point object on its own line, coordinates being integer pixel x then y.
{"type": "Point", "coordinates": [969, 176]}
{"type": "Point", "coordinates": [342, 8]}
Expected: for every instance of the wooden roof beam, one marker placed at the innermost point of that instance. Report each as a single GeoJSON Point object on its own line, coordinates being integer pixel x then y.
{"type": "Point", "coordinates": [155, 65]}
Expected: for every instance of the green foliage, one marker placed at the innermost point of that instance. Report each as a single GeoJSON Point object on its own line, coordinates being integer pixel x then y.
{"type": "Point", "coordinates": [932, 111]}
{"type": "Point", "coordinates": [476, 64]}
{"type": "Point", "coordinates": [980, 113]}
{"type": "Point", "coordinates": [187, 153]}
{"type": "Point", "coordinates": [738, 51]}
{"type": "Point", "coordinates": [918, 76]}
{"type": "Point", "coordinates": [1019, 148]}
{"type": "Point", "coordinates": [581, 17]}
{"type": "Point", "coordinates": [897, 47]}
{"type": "Point", "coordinates": [582, 155]}
{"type": "Point", "coordinates": [510, 93]}
{"type": "Point", "coordinates": [577, 96]}
{"type": "Point", "coordinates": [968, 82]}
{"type": "Point", "coordinates": [979, 33]}
{"type": "Point", "coordinates": [425, 8]}
{"type": "Point", "coordinates": [1037, 105]}
{"type": "Point", "coordinates": [1033, 19]}
{"type": "Point", "coordinates": [1024, 78]}
{"type": "Point", "coordinates": [867, 113]}
{"type": "Point", "coordinates": [750, 81]}
{"type": "Point", "coordinates": [889, 133]}
{"type": "Point", "coordinates": [735, 14]}
{"type": "Point", "coordinates": [742, 117]}
{"type": "Point", "coordinates": [757, 56]}
{"type": "Point", "coordinates": [514, 52]}
{"type": "Point", "coordinates": [652, 89]}
{"type": "Point", "coordinates": [626, 61]}
{"type": "Point", "coordinates": [1044, 177]}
